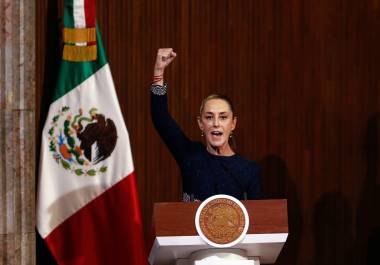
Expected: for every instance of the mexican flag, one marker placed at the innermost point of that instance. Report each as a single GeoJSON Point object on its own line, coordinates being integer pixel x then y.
{"type": "Point", "coordinates": [87, 207]}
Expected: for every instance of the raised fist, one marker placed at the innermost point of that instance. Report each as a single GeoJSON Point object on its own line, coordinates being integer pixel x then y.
{"type": "Point", "coordinates": [164, 57]}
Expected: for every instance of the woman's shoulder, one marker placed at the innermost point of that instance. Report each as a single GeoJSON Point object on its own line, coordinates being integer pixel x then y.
{"type": "Point", "coordinates": [196, 146]}
{"type": "Point", "coordinates": [246, 160]}
{"type": "Point", "coordinates": [195, 149]}
{"type": "Point", "coordinates": [252, 164]}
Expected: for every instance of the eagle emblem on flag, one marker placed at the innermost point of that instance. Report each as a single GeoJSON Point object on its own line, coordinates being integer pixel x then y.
{"type": "Point", "coordinates": [79, 142]}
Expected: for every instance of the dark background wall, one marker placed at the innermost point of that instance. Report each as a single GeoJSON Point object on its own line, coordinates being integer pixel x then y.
{"type": "Point", "coordinates": [305, 78]}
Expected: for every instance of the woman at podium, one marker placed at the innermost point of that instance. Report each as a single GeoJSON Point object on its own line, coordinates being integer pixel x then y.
{"type": "Point", "coordinates": [211, 168]}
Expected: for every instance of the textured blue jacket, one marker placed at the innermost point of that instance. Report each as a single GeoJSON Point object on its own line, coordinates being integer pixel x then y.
{"type": "Point", "coordinates": [204, 174]}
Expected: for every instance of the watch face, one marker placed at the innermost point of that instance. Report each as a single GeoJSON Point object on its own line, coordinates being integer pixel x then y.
{"type": "Point", "coordinates": [222, 221]}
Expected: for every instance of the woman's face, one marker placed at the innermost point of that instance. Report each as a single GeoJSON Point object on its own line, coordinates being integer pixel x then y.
{"type": "Point", "coordinates": [217, 122]}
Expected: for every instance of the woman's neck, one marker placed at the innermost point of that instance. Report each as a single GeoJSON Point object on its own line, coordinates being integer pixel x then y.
{"type": "Point", "coordinates": [225, 150]}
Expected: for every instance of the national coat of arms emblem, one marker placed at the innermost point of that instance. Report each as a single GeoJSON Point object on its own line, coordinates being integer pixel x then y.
{"type": "Point", "coordinates": [80, 142]}
{"type": "Point", "coordinates": [222, 221]}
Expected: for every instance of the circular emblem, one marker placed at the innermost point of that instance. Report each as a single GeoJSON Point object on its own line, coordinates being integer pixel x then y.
{"type": "Point", "coordinates": [222, 221]}
{"type": "Point", "coordinates": [80, 141]}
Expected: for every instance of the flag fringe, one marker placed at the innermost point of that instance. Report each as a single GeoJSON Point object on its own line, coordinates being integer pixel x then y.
{"type": "Point", "coordinates": [73, 35]}
{"type": "Point", "coordinates": [75, 53]}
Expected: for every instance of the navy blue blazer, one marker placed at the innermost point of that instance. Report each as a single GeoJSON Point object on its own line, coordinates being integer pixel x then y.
{"type": "Point", "coordinates": [204, 174]}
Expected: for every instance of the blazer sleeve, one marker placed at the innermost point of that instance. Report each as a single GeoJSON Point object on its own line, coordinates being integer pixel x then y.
{"type": "Point", "coordinates": [176, 141]}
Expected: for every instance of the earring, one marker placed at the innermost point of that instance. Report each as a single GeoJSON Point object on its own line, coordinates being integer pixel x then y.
{"type": "Point", "coordinates": [231, 134]}
{"type": "Point", "coordinates": [202, 133]}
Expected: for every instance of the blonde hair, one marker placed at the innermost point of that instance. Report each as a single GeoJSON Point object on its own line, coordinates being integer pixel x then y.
{"type": "Point", "coordinates": [216, 96]}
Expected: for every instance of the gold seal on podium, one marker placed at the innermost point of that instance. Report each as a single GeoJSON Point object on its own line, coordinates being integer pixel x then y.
{"type": "Point", "coordinates": [222, 221]}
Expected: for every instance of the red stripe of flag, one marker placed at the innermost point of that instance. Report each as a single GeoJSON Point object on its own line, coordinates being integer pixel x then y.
{"type": "Point", "coordinates": [108, 230]}
{"type": "Point", "coordinates": [90, 13]}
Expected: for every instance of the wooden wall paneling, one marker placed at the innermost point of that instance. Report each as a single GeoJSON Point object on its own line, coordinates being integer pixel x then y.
{"type": "Point", "coordinates": [304, 78]}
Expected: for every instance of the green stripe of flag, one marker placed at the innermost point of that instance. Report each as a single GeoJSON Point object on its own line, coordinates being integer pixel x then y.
{"type": "Point", "coordinates": [72, 74]}
{"type": "Point", "coordinates": [68, 15]}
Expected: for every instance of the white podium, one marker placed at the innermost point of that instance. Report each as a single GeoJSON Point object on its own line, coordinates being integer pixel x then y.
{"type": "Point", "coordinates": [177, 242]}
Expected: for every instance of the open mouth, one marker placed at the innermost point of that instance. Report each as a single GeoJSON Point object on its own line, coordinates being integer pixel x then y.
{"type": "Point", "coordinates": [216, 133]}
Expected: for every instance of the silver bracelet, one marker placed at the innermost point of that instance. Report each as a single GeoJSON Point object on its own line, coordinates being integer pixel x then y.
{"type": "Point", "coordinates": [159, 90]}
